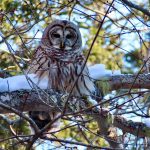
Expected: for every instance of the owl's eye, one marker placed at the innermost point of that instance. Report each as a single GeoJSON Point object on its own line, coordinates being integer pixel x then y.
{"type": "Point", "coordinates": [56, 35]}
{"type": "Point", "coordinates": [69, 36]}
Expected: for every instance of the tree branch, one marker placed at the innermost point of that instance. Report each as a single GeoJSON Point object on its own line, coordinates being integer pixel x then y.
{"type": "Point", "coordinates": [77, 143]}
{"type": "Point", "coordinates": [39, 100]}
{"type": "Point", "coordinates": [130, 4]}
{"type": "Point", "coordinates": [29, 100]}
{"type": "Point", "coordinates": [129, 81]}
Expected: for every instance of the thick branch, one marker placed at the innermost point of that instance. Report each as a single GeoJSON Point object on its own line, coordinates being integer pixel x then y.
{"type": "Point", "coordinates": [129, 81]}
{"type": "Point", "coordinates": [115, 82]}
{"type": "Point", "coordinates": [136, 128]}
{"type": "Point", "coordinates": [30, 100]}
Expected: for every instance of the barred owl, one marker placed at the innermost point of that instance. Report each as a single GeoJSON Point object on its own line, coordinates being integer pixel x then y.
{"type": "Point", "coordinates": [59, 58]}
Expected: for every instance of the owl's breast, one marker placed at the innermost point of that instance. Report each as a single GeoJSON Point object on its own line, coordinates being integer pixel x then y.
{"type": "Point", "coordinates": [69, 78]}
{"type": "Point", "coordinates": [63, 75]}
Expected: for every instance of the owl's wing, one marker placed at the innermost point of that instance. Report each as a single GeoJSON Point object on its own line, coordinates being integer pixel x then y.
{"type": "Point", "coordinates": [98, 94]}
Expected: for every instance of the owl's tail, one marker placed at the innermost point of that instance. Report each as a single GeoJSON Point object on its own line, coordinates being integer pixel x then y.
{"type": "Point", "coordinates": [42, 118]}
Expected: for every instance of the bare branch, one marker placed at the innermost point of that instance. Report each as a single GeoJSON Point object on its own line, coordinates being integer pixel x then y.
{"type": "Point", "coordinates": [102, 115]}
{"type": "Point", "coordinates": [128, 81]}
{"type": "Point", "coordinates": [77, 143]}
{"type": "Point", "coordinates": [130, 4]}
{"type": "Point", "coordinates": [27, 100]}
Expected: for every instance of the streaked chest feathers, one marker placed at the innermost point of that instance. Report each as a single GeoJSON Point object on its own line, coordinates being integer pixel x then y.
{"type": "Point", "coordinates": [64, 76]}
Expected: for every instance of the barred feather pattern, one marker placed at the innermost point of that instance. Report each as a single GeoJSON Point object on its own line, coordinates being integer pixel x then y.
{"type": "Point", "coordinates": [62, 73]}
{"type": "Point", "coordinates": [62, 67]}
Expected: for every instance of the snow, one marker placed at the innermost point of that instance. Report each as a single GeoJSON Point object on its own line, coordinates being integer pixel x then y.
{"type": "Point", "coordinates": [30, 81]}
{"type": "Point", "coordinates": [21, 82]}
{"type": "Point", "coordinates": [98, 72]}
{"type": "Point", "coordinates": [147, 122]}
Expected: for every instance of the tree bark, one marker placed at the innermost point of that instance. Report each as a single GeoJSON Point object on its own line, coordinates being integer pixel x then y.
{"type": "Point", "coordinates": [27, 100]}
{"type": "Point", "coordinates": [39, 100]}
{"type": "Point", "coordinates": [129, 81]}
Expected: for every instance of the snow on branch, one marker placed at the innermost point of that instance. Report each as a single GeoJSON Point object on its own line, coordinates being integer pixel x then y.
{"type": "Point", "coordinates": [30, 81]}
{"type": "Point", "coordinates": [114, 79]}
{"type": "Point", "coordinates": [25, 93]}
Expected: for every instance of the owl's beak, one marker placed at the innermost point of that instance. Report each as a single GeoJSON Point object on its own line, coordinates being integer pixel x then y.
{"type": "Point", "coordinates": [62, 44]}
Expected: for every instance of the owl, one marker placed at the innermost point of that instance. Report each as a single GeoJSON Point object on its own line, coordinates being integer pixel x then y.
{"type": "Point", "coordinates": [60, 59]}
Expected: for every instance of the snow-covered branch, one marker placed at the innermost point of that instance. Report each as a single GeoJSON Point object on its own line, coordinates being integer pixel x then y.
{"type": "Point", "coordinates": [114, 80]}
{"type": "Point", "coordinates": [25, 93]}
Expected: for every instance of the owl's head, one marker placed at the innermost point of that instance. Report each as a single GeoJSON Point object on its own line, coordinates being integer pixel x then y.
{"type": "Point", "coordinates": [62, 35]}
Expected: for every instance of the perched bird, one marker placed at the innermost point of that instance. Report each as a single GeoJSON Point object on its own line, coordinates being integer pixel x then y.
{"type": "Point", "coordinates": [59, 58]}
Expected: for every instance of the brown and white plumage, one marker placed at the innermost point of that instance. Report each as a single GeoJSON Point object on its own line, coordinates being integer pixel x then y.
{"type": "Point", "coordinates": [59, 58]}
